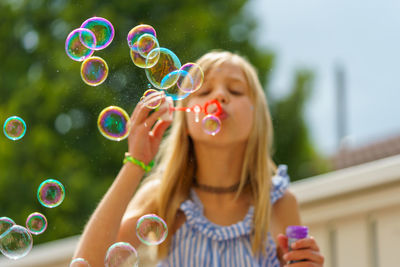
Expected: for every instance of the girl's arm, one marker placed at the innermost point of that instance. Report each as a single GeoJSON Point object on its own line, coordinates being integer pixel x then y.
{"type": "Point", "coordinates": [285, 212]}
{"type": "Point", "coordinates": [103, 227]}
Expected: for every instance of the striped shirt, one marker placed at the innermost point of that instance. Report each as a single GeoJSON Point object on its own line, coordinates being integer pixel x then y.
{"type": "Point", "coordinates": [199, 242]}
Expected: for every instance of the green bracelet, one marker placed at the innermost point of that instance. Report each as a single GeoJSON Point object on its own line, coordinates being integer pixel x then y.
{"type": "Point", "coordinates": [146, 168]}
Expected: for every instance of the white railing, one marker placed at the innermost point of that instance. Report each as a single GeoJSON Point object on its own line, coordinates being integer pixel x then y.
{"type": "Point", "coordinates": [353, 213]}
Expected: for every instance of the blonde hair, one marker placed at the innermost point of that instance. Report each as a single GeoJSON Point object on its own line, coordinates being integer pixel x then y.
{"type": "Point", "coordinates": [176, 164]}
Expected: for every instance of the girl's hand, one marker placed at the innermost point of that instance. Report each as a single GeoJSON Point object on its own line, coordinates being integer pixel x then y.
{"type": "Point", "coordinates": [305, 249]}
{"type": "Point", "coordinates": [146, 132]}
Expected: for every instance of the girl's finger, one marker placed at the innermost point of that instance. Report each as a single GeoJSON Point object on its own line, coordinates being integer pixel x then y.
{"type": "Point", "coordinates": [304, 254]}
{"type": "Point", "coordinates": [149, 122]}
{"type": "Point", "coordinates": [159, 129]}
{"type": "Point", "coordinates": [282, 242]}
{"type": "Point", "coordinates": [306, 243]}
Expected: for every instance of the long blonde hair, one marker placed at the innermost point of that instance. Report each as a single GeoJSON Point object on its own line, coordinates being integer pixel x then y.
{"type": "Point", "coordinates": [176, 164]}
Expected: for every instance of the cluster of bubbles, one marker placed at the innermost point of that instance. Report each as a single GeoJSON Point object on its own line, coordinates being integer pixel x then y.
{"type": "Point", "coordinates": [150, 229]}
{"type": "Point", "coordinates": [14, 128]}
{"type": "Point", "coordinates": [171, 80]}
{"type": "Point", "coordinates": [94, 34]}
{"type": "Point", "coordinates": [16, 241]}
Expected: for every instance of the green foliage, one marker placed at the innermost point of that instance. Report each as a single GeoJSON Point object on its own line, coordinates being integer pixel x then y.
{"type": "Point", "coordinates": [292, 144]}
{"type": "Point", "coordinates": [39, 83]}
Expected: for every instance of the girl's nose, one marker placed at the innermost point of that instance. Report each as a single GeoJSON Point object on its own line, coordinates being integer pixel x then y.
{"type": "Point", "coordinates": [222, 96]}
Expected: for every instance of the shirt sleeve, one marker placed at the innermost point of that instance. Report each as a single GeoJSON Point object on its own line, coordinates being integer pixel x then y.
{"type": "Point", "coordinates": [280, 182]}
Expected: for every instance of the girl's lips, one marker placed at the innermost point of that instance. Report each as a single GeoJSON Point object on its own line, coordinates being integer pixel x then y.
{"type": "Point", "coordinates": [223, 115]}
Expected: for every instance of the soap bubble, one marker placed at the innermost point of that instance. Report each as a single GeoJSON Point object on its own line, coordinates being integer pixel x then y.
{"type": "Point", "coordinates": [165, 72]}
{"type": "Point", "coordinates": [113, 123]}
{"type": "Point", "coordinates": [79, 262]}
{"type": "Point", "coordinates": [211, 124]}
{"type": "Point", "coordinates": [51, 193]}
{"type": "Point", "coordinates": [152, 98]}
{"type": "Point", "coordinates": [121, 254]}
{"type": "Point", "coordinates": [147, 43]}
{"type": "Point", "coordinates": [151, 229]}
{"type": "Point", "coordinates": [78, 42]}
{"type": "Point", "coordinates": [102, 29]}
{"type": "Point", "coordinates": [136, 32]}
{"type": "Point", "coordinates": [191, 78]}
{"type": "Point", "coordinates": [138, 58]}
{"type": "Point", "coordinates": [14, 128]}
{"type": "Point", "coordinates": [36, 223]}
{"type": "Point", "coordinates": [16, 243]}
{"type": "Point", "coordinates": [94, 71]}
{"type": "Point", "coordinates": [5, 224]}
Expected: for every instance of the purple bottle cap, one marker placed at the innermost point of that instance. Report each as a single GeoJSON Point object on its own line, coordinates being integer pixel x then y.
{"type": "Point", "coordinates": [297, 231]}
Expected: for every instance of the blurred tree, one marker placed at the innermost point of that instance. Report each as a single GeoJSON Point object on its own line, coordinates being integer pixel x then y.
{"type": "Point", "coordinates": [292, 144]}
{"type": "Point", "coordinates": [39, 83]}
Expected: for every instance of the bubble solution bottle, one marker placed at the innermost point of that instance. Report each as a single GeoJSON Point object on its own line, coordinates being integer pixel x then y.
{"type": "Point", "coordinates": [294, 233]}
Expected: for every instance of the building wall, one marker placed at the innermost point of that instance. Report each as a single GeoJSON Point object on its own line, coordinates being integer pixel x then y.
{"type": "Point", "coordinates": [353, 213]}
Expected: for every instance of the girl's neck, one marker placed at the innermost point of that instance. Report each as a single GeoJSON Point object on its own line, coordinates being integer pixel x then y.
{"type": "Point", "coordinates": [217, 166]}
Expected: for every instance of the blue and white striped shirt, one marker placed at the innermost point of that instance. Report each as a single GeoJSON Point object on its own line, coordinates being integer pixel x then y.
{"type": "Point", "coordinates": [199, 242]}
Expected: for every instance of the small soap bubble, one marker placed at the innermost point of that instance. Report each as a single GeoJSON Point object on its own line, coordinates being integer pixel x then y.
{"type": "Point", "coordinates": [36, 223]}
{"type": "Point", "coordinates": [174, 92]}
{"type": "Point", "coordinates": [5, 224]}
{"type": "Point", "coordinates": [151, 229]}
{"type": "Point", "coordinates": [16, 243]}
{"type": "Point", "coordinates": [79, 262]}
{"type": "Point", "coordinates": [14, 128]}
{"type": "Point", "coordinates": [211, 124]}
{"type": "Point", "coordinates": [133, 38]}
{"type": "Point", "coordinates": [146, 43]}
{"type": "Point", "coordinates": [113, 123]}
{"type": "Point", "coordinates": [102, 29]}
{"type": "Point", "coordinates": [191, 78]}
{"type": "Point", "coordinates": [94, 71]}
{"type": "Point", "coordinates": [78, 42]}
{"type": "Point", "coordinates": [51, 193]}
{"type": "Point", "coordinates": [165, 72]}
{"type": "Point", "coordinates": [152, 98]}
{"type": "Point", "coordinates": [121, 254]}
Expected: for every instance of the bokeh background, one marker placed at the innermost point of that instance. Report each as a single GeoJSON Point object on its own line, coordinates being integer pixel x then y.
{"type": "Point", "coordinates": [39, 83]}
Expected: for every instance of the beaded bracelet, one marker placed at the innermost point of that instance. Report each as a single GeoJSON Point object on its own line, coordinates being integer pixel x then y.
{"type": "Point", "coordinates": [146, 168]}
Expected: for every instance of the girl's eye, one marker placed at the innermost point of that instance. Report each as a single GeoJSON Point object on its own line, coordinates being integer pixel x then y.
{"type": "Point", "coordinates": [235, 92]}
{"type": "Point", "coordinates": [203, 93]}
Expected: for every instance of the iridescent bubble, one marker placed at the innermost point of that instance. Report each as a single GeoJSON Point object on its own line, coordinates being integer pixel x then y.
{"type": "Point", "coordinates": [121, 254]}
{"type": "Point", "coordinates": [51, 193]}
{"type": "Point", "coordinates": [113, 123]}
{"type": "Point", "coordinates": [5, 224]}
{"type": "Point", "coordinates": [165, 72]}
{"type": "Point", "coordinates": [211, 124]}
{"type": "Point", "coordinates": [14, 128]}
{"type": "Point", "coordinates": [102, 29]}
{"type": "Point", "coordinates": [36, 223]}
{"type": "Point", "coordinates": [79, 262]}
{"type": "Point", "coordinates": [175, 93]}
{"type": "Point", "coordinates": [136, 32]}
{"type": "Point", "coordinates": [151, 229]}
{"type": "Point", "coordinates": [146, 43]}
{"type": "Point", "coordinates": [94, 71]}
{"type": "Point", "coordinates": [152, 98]}
{"type": "Point", "coordinates": [191, 78]}
{"type": "Point", "coordinates": [133, 37]}
{"type": "Point", "coordinates": [74, 47]}
{"type": "Point", "coordinates": [16, 243]}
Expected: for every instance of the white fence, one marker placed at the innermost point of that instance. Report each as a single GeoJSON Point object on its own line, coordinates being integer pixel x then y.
{"type": "Point", "coordinates": [354, 214]}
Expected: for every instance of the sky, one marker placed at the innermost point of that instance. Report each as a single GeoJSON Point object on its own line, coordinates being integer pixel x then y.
{"type": "Point", "coordinates": [362, 36]}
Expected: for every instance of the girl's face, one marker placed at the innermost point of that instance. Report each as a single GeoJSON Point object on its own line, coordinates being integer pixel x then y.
{"type": "Point", "coordinates": [227, 84]}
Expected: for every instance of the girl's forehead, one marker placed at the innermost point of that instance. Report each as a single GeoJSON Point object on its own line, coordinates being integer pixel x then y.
{"type": "Point", "coordinates": [225, 70]}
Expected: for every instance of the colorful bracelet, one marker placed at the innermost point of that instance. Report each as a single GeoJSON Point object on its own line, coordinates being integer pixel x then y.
{"type": "Point", "coordinates": [146, 168]}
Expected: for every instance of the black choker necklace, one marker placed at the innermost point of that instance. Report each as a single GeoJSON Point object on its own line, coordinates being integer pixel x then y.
{"type": "Point", "coordinates": [216, 189]}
